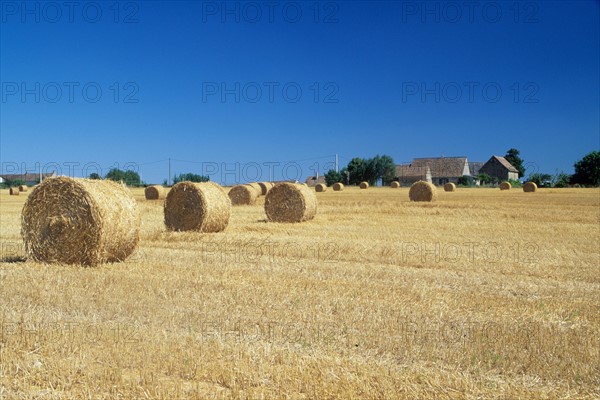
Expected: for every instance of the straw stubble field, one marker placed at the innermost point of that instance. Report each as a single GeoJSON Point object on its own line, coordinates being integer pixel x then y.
{"type": "Point", "coordinates": [482, 294]}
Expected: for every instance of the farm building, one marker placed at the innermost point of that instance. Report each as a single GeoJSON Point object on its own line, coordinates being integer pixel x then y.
{"type": "Point", "coordinates": [438, 171]}
{"type": "Point", "coordinates": [313, 180]}
{"type": "Point", "coordinates": [498, 167]}
{"type": "Point", "coordinates": [30, 179]}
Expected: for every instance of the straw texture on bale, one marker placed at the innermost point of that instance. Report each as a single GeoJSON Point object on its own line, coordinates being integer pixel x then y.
{"type": "Point", "coordinates": [395, 184]}
{"type": "Point", "coordinates": [256, 187]}
{"type": "Point", "coordinates": [529, 187]}
{"type": "Point", "coordinates": [264, 187]}
{"type": "Point", "coordinates": [243, 195]}
{"type": "Point", "coordinates": [449, 187]}
{"type": "Point", "coordinates": [23, 188]}
{"type": "Point", "coordinates": [338, 187]}
{"type": "Point", "coordinates": [505, 186]}
{"type": "Point", "coordinates": [13, 191]}
{"type": "Point", "coordinates": [155, 192]}
{"type": "Point", "coordinates": [364, 185]}
{"type": "Point", "coordinates": [320, 187]}
{"type": "Point", "coordinates": [422, 191]}
{"type": "Point", "coordinates": [289, 202]}
{"type": "Point", "coordinates": [203, 207]}
{"type": "Point", "coordinates": [80, 221]}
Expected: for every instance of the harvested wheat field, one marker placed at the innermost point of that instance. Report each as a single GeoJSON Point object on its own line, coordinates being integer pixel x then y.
{"type": "Point", "coordinates": [376, 297]}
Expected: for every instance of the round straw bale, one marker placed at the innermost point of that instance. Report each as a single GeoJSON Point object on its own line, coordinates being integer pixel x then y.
{"type": "Point", "coordinates": [364, 185]}
{"type": "Point", "coordinates": [242, 195]}
{"type": "Point", "coordinates": [449, 187]}
{"type": "Point", "coordinates": [289, 202]}
{"type": "Point", "coordinates": [202, 207]}
{"type": "Point", "coordinates": [23, 188]}
{"type": "Point", "coordinates": [505, 186]}
{"type": "Point", "coordinates": [256, 187]}
{"type": "Point", "coordinates": [14, 191]}
{"type": "Point", "coordinates": [529, 187]}
{"type": "Point", "coordinates": [394, 184]}
{"type": "Point", "coordinates": [338, 187]}
{"type": "Point", "coordinates": [264, 187]}
{"type": "Point", "coordinates": [422, 191]}
{"type": "Point", "coordinates": [80, 221]}
{"type": "Point", "coordinates": [155, 192]}
{"type": "Point", "coordinates": [320, 187]}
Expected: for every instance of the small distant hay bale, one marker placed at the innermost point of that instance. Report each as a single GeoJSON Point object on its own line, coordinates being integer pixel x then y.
{"type": "Point", "coordinates": [23, 188]}
{"type": "Point", "coordinates": [364, 185]}
{"type": "Point", "coordinates": [155, 192]}
{"type": "Point", "coordinates": [320, 187]}
{"type": "Point", "coordinates": [449, 187]}
{"type": "Point", "coordinates": [264, 187]}
{"type": "Point", "coordinates": [191, 206]}
{"type": "Point", "coordinates": [505, 185]}
{"type": "Point", "coordinates": [422, 191]}
{"type": "Point", "coordinates": [14, 191]}
{"type": "Point", "coordinates": [529, 187]}
{"type": "Point", "coordinates": [256, 187]}
{"type": "Point", "coordinates": [395, 184]}
{"type": "Point", "coordinates": [80, 221]}
{"type": "Point", "coordinates": [289, 202]}
{"type": "Point", "coordinates": [243, 195]}
{"type": "Point", "coordinates": [338, 187]}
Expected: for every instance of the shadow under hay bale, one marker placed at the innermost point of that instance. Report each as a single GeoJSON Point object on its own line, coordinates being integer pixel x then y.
{"type": "Point", "coordinates": [422, 191]}
{"type": "Point", "coordinates": [80, 221]}
{"type": "Point", "coordinates": [338, 187]}
{"type": "Point", "coordinates": [320, 187]}
{"type": "Point", "coordinates": [203, 207]}
{"type": "Point", "coordinates": [155, 192]}
{"type": "Point", "coordinates": [505, 186]}
{"type": "Point", "coordinates": [289, 202]}
{"type": "Point", "coordinates": [449, 187]}
{"type": "Point", "coordinates": [529, 187]}
{"type": "Point", "coordinates": [243, 195]}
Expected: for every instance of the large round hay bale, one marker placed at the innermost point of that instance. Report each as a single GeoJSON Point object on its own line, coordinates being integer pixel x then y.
{"type": "Point", "coordinates": [256, 187]}
{"type": "Point", "coordinates": [422, 191]}
{"type": "Point", "coordinates": [80, 221]}
{"type": "Point", "coordinates": [505, 185]}
{"type": "Point", "coordinates": [289, 202]}
{"type": "Point", "coordinates": [338, 187]}
{"type": "Point", "coordinates": [155, 192]}
{"type": "Point", "coordinates": [364, 185]}
{"type": "Point", "coordinates": [203, 207]}
{"type": "Point", "coordinates": [13, 191]}
{"type": "Point", "coordinates": [23, 188]}
{"type": "Point", "coordinates": [243, 195]}
{"type": "Point", "coordinates": [394, 184]}
{"type": "Point", "coordinates": [320, 187]}
{"type": "Point", "coordinates": [529, 187]}
{"type": "Point", "coordinates": [449, 187]}
{"type": "Point", "coordinates": [264, 187]}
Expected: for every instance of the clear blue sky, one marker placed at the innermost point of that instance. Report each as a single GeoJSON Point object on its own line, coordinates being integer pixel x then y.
{"type": "Point", "coordinates": [408, 79]}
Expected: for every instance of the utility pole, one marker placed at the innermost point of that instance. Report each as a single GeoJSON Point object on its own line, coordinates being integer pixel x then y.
{"type": "Point", "coordinates": [169, 178]}
{"type": "Point", "coordinates": [337, 166]}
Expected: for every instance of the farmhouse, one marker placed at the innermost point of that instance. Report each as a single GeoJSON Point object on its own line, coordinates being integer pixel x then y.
{"type": "Point", "coordinates": [30, 179]}
{"type": "Point", "coordinates": [498, 167]}
{"type": "Point", "coordinates": [313, 180]}
{"type": "Point", "coordinates": [439, 171]}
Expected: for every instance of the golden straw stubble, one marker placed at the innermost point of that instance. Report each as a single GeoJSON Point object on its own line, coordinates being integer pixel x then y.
{"type": "Point", "coordinates": [289, 202]}
{"type": "Point", "coordinates": [422, 191]}
{"type": "Point", "coordinates": [80, 221]}
{"type": "Point", "coordinates": [203, 207]}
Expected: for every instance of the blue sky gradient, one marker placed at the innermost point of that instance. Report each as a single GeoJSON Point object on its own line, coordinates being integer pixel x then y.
{"type": "Point", "coordinates": [180, 80]}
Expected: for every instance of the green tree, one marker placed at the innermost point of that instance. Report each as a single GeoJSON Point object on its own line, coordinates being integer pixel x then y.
{"type": "Point", "coordinates": [15, 182]}
{"type": "Point", "coordinates": [464, 180]}
{"type": "Point", "coordinates": [486, 179]}
{"type": "Point", "coordinates": [541, 180]}
{"type": "Point", "coordinates": [129, 177]}
{"type": "Point", "coordinates": [190, 177]}
{"type": "Point", "coordinates": [332, 177]}
{"type": "Point", "coordinates": [356, 168]}
{"type": "Point", "coordinates": [587, 170]}
{"type": "Point", "coordinates": [94, 175]}
{"type": "Point", "coordinates": [512, 156]}
{"type": "Point", "coordinates": [561, 180]}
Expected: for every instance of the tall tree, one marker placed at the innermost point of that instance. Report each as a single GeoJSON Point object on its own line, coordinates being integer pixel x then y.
{"type": "Point", "coordinates": [130, 178]}
{"type": "Point", "coordinates": [190, 177]}
{"type": "Point", "coordinates": [512, 156]}
{"type": "Point", "coordinates": [332, 177]}
{"type": "Point", "coordinates": [356, 168]}
{"type": "Point", "coordinates": [587, 170]}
